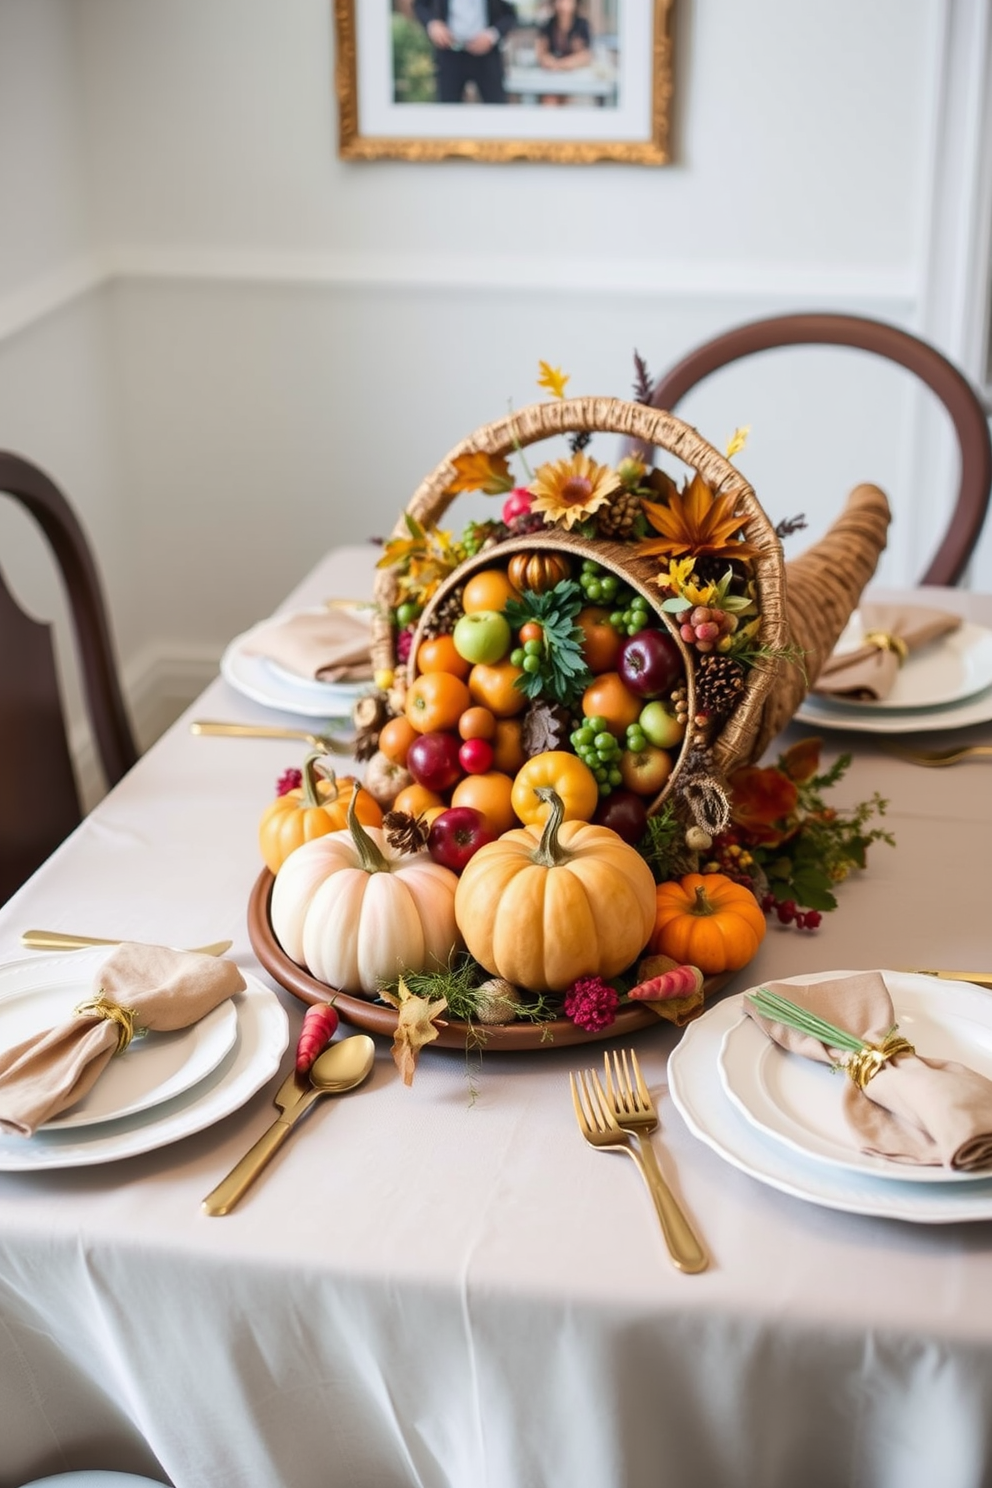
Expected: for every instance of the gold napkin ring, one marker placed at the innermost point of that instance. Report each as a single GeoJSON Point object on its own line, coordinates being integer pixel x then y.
{"type": "Point", "coordinates": [886, 641]}
{"type": "Point", "coordinates": [865, 1065]}
{"type": "Point", "coordinates": [102, 1006]}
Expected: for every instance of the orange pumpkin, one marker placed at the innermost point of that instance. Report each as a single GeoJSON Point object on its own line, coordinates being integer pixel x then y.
{"type": "Point", "coordinates": [538, 571]}
{"type": "Point", "coordinates": [542, 908]}
{"type": "Point", "coordinates": [568, 776]}
{"type": "Point", "coordinates": [314, 809]}
{"type": "Point", "coordinates": [707, 920]}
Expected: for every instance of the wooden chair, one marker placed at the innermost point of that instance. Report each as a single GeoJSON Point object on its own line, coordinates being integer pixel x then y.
{"type": "Point", "coordinates": [39, 799]}
{"type": "Point", "coordinates": [955, 392]}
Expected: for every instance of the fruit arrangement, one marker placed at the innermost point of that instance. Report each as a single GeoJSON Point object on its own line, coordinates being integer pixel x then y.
{"type": "Point", "coordinates": [563, 696]}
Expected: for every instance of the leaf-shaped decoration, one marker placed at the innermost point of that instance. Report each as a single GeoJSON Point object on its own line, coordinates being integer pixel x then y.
{"type": "Point", "coordinates": [478, 471]}
{"type": "Point", "coordinates": [553, 379]}
{"type": "Point", "coordinates": [738, 440]}
{"type": "Point", "coordinates": [418, 1024]}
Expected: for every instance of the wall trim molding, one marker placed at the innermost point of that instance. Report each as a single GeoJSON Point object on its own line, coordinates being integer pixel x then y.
{"type": "Point", "coordinates": [896, 290]}
{"type": "Point", "coordinates": [44, 295]}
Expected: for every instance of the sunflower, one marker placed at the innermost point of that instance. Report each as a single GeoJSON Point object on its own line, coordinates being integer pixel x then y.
{"type": "Point", "coordinates": [567, 491]}
{"type": "Point", "coordinates": [698, 521]}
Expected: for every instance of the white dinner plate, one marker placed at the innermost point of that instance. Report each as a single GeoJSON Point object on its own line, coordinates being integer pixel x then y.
{"type": "Point", "coordinates": [264, 681]}
{"type": "Point", "coordinates": [949, 670]}
{"type": "Point", "coordinates": [820, 715]}
{"type": "Point", "coordinates": [799, 1102]}
{"type": "Point", "coordinates": [41, 993]}
{"type": "Point", "coordinates": [694, 1081]}
{"type": "Point", "coordinates": [262, 1036]}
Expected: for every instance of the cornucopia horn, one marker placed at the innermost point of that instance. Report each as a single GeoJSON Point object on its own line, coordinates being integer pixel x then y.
{"type": "Point", "coordinates": [822, 589]}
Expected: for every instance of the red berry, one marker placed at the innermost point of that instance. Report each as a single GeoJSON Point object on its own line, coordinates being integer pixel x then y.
{"type": "Point", "coordinates": [476, 756]}
{"type": "Point", "coordinates": [786, 911]}
{"type": "Point", "coordinates": [289, 780]}
{"type": "Point", "coordinates": [813, 919]}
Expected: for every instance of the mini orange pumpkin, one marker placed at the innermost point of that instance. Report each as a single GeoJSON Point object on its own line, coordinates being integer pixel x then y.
{"type": "Point", "coordinates": [707, 920]}
{"type": "Point", "coordinates": [314, 809]}
{"type": "Point", "coordinates": [538, 571]}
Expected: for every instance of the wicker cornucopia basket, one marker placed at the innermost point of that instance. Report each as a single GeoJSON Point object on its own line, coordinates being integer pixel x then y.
{"type": "Point", "coordinates": [804, 605]}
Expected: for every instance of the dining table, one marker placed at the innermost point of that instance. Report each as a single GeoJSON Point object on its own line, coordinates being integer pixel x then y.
{"type": "Point", "coordinates": [442, 1285]}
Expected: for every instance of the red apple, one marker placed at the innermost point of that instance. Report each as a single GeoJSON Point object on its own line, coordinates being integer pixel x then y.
{"type": "Point", "coordinates": [476, 756]}
{"type": "Point", "coordinates": [646, 770]}
{"type": "Point", "coordinates": [456, 835]}
{"type": "Point", "coordinates": [650, 663]}
{"type": "Point", "coordinates": [433, 762]}
{"type": "Point", "coordinates": [625, 813]}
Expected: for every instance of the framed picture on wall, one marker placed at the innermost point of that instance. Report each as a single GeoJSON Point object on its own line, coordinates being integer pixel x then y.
{"type": "Point", "coordinates": [562, 80]}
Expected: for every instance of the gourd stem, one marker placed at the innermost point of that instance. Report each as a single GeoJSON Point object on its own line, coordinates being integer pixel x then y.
{"type": "Point", "coordinates": [373, 860]}
{"type": "Point", "coordinates": [311, 795]}
{"type": "Point", "coordinates": [703, 905]}
{"type": "Point", "coordinates": [549, 852]}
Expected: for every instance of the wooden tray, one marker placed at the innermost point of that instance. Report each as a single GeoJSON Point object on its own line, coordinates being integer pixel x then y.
{"type": "Point", "coordinates": [377, 1018]}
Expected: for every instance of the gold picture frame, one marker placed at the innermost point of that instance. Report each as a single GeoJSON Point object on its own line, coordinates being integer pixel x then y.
{"type": "Point", "coordinates": [362, 137]}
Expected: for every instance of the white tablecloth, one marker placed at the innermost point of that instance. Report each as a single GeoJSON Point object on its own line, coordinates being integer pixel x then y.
{"type": "Point", "coordinates": [444, 1286]}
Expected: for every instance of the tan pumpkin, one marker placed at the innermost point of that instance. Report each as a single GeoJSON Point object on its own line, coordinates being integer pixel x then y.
{"type": "Point", "coordinates": [357, 913]}
{"type": "Point", "coordinates": [318, 806]}
{"type": "Point", "coordinates": [538, 571]}
{"type": "Point", "coordinates": [542, 908]}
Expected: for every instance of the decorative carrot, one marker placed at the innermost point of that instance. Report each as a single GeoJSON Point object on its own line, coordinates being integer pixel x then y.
{"type": "Point", "coordinates": [681, 981]}
{"type": "Point", "coordinates": [319, 1024]}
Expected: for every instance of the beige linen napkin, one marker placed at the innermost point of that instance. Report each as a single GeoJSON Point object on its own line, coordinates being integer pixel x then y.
{"type": "Point", "coordinates": [869, 672]}
{"type": "Point", "coordinates": [332, 646]}
{"type": "Point", "coordinates": [914, 1110]}
{"type": "Point", "coordinates": [164, 989]}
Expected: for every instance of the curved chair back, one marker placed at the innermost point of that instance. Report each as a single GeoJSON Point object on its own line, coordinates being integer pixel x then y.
{"type": "Point", "coordinates": [955, 392]}
{"type": "Point", "coordinates": [39, 800]}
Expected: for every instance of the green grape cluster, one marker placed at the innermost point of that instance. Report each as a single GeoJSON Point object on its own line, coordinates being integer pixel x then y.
{"type": "Point", "coordinates": [636, 616]}
{"type": "Point", "coordinates": [597, 748]}
{"type": "Point", "coordinates": [599, 585]}
{"type": "Point", "coordinates": [629, 611]}
{"type": "Point", "coordinates": [528, 656]}
{"type": "Point", "coordinates": [635, 740]}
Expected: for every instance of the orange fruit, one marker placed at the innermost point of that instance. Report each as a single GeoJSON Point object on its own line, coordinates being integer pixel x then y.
{"type": "Point", "coordinates": [439, 655]}
{"type": "Point", "coordinates": [488, 590]}
{"type": "Point", "coordinates": [490, 794]}
{"type": "Point", "coordinates": [395, 739]}
{"type": "Point", "coordinates": [531, 631]}
{"type": "Point", "coordinates": [609, 697]}
{"type": "Point", "coordinates": [417, 800]}
{"type": "Point", "coordinates": [602, 643]}
{"type": "Point", "coordinates": [436, 701]}
{"type": "Point", "coordinates": [493, 687]}
{"type": "Point", "coordinates": [477, 723]}
{"type": "Point", "coordinates": [508, 752]}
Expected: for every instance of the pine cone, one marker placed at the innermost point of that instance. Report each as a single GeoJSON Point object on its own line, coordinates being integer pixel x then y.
{"type": "Point", "coordinates": [445, 617]}
{"type": "Point", "coordinates": [405, 833]}
{"type": "Point", "coordinates": [719, 684]}
{"type": "Point", "coordinates": [617, 519]}
{"type": "Point", "coordinates": [529, 522]}
{"type": "Point", "coordinates": [545, 726]}
{"type": "Point", "coordinates": [369, 714]}
{"type": "Point", "coordinates": [579, 440]}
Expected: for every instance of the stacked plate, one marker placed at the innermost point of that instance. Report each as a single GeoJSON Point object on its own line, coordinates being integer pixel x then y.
{"type": "Point", "coordinates": [163, 1087]}
{"type": "Point", "coordinates": [947, 684]}
{"type": "Point", "coordinates": [265, 681]}
{"type": "Point", "coordinates": [778, 1116]}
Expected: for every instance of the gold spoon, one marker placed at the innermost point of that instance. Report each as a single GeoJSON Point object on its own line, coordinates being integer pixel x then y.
{"type": "Point", "coordinates": [207, 728]}
{"type": "Point", "coordinates": [339, 1068]}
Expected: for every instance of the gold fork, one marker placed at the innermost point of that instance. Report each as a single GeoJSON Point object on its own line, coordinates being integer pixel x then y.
{"type": "Point", "coordinates": [601, 1129]}
{"type": "Point", "coordinates": [937, 758]}
{"type": "Point", "coordinates": [631, 1104]}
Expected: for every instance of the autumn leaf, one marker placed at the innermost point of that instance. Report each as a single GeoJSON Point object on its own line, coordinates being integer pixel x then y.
{"type": "Point", "coordinates": [418, 1024]}
{"type": "Point", "coordinates": [552, 378]}
{"type": "Point", "coordinates": [802, 760]}
{"type": "Point", "coordinates": [477, 471]}
{"type": "Point", "coordinates": [738, 440]}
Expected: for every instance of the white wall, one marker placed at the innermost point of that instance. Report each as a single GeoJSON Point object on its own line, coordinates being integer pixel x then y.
{"type": "Point", "coordinates": [290, 341]}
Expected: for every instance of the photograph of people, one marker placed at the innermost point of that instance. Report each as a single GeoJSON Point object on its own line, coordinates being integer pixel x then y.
{"type": "Point", "coordinates": [467, 38]}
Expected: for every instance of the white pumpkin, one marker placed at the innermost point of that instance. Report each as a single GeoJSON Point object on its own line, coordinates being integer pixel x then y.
{"type": "Point", "coordinates": [356, 913]}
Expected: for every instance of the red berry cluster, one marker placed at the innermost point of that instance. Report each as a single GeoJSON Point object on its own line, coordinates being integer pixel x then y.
{"type": "Point", "coordinates": [289, 780]}
{"type": "Point", "coordinates": [704, 627]}
{"type": "Point", "coordinates": [788, 913]}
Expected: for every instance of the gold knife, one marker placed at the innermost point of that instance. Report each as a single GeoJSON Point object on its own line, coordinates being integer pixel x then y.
{"type": "Point", "coordinates": [54, 940]}
{"type": "Point", "coordinates": [208, 728]}
{"type": "Point", "coordinates": [980, 978]}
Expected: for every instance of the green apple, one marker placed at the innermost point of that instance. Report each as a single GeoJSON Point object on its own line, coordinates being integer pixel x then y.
{"type": "Point", "coordinates": [483, 636]}
{"type": "Point", "coordinates": [660, 726]}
